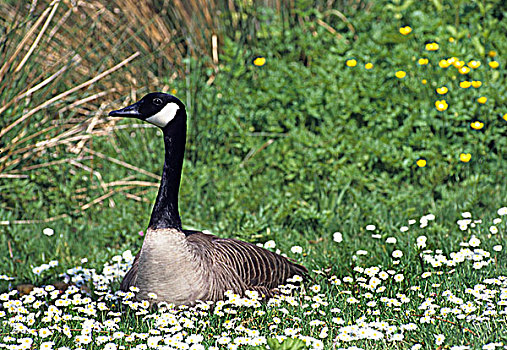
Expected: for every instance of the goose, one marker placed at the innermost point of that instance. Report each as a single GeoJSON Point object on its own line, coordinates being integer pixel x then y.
{"type": "Point", "coordinates": [181, 266]}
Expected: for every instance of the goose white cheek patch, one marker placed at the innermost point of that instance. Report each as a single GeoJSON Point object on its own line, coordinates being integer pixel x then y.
{"type": "Point", "coordinates": [165, 115]}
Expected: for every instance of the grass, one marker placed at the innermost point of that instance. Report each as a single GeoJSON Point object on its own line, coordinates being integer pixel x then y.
{"type": "Point", "coordinates": [310, 143]}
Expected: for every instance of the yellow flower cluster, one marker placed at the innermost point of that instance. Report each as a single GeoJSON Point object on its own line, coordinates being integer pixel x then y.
{"type": "Point", "coordinates": [474, 64]}
{"type": "Point", "coordinates": [466, 84]}
{"type": "Point", "coordinates": [405, 30]}
{"type": "Point", "coordinates": [465, 157]}
{"type": "Point", "coordinates": [444, 64]}
{"type": "Point", "coordinates": [442, 90]}
{"type": "Point", "coordinates": [482, 100]}
{"type": "Point", "coordinates": [459, 64]}
{"type": "Point", "coordinates": [421, 162]}
{"type": "Point", "coordinates": [432, 47]}
{"type": "Point", "coordinates": [351, 63]}
{"type": "Point", "coordinates": [400, 74]}
{"type": "Point", "coordinates": [259, 61]}
{"type": "Point", "coordinates": [464, 70]}
{"type": "Point", "coordinates": [441, 105]}
{"type": "Point", "coordinates": [477, 125]}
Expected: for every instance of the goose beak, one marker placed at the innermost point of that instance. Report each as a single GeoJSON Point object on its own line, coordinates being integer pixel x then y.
{"type": "Point", "coordinates": [131, 111]}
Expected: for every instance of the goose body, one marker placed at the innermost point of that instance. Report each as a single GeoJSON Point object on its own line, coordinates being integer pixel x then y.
{"type": "Point", "coordinates": [181, 266]}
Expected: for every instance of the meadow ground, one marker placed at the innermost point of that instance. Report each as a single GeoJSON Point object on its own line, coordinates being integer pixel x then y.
{"type": "Point", "coordinates": [367, 144]}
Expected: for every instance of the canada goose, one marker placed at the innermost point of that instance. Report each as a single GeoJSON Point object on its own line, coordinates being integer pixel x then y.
{"type": "Point", "coordinates": [181, 266]}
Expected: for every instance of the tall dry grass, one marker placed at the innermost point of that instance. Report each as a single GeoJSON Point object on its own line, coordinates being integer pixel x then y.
{"type": "Point", "coordinates": [63, 61]}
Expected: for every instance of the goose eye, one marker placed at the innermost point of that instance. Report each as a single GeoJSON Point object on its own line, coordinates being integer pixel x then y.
{"type": "Point", "coordinates": [157, 101]}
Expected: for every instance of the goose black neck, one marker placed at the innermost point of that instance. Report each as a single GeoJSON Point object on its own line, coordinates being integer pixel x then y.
{"type": "Point", "coordinates": [165, 212]}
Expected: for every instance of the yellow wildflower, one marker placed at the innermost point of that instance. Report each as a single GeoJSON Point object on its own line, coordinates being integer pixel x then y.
{"type": "Point", "coordinates": [464, 70]}
{"type": "Point", "coordinates": [368, 65]}
{"type": "Point", "coordinates": [465, 84]}
{"type": "Point", "coordinates": [458, 63]}
{"type": "Point", "coordinates": [465, 157]}
{"type": "Point", "coordinates": [405, 30]}
{"type": "Point", "coordinates": [452, 60]}
{"type": "Point", "coordinates": [504, 117]}
{"type": "Point", "coordinates": [492, 53]}
{"type": "Point", "coordinates": [441, 105]}
{"type": "Point", "coordinates": [424, 81]}
{"type": "Point", "coordinates": [423, 61]}
{"type": "Point", "coordinates": [444, 64]}
{"type": "Point", "coordinates": [400, 74]}
{"type": "Point", "coordinates": [421, 162]}
{"type": "Point", "coordinates": [451, 39]}
{"type": "Point", "coordinates": [351, 63]}
{"type": "Point", "coordinates": [432, 47]}
{"type": "Point", "coordinates": [482, 100]}
{"type": "Point", "coordinates": [494, 64]}
{"type": "Point", "coordinates": [474, 64]}
{"type": "Point", "coordinates": [477, 125]}
{"type": "Point", "coordinates": [476, 84]}
{"type": "Point", "coordinates": [442, 90]}
{"type": "Point", "coordinates": [259, 61]}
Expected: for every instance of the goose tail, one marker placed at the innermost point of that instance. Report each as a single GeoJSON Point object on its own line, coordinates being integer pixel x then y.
{"type": "Point", "coordinates": [298, 270]}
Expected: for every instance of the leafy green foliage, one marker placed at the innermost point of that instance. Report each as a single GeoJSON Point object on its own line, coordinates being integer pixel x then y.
{"type": "Point", "coordinates": [304, 145]}
{"type": "Point", "coordinates": [291, 151]}
{"type": "Point", "coordinates": [287, 344]}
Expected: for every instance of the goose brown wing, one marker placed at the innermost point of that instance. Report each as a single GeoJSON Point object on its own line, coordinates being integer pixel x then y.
{"type": "Point", "coordinates": [255, 266]}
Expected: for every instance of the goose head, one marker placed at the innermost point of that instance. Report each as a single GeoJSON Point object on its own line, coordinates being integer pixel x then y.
{"type": "Point", "coordinates": [168, 113]}
{"type": "Point", "coordinates": [157, 108]}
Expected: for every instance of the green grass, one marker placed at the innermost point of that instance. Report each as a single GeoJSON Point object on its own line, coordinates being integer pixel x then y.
{"type": "Point", "coordinates": [294, 151]}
